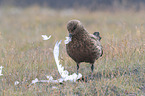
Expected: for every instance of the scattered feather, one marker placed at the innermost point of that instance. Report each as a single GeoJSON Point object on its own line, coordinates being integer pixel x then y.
{"type": "Point", "coordinates": [54, 87]}
{"type": "Point", "coordinates": [49, 77]}
{"type": "Point", "coordinates": [46, 81]}
{"type": "Point", "coordinates": [68, 39]}
{"type": "Point", "coordinates": [16, 83]}
{"type": "Point", "coordinates": [1, 70]}
{"type": "Point", "coordinates": [45, 37]}
{"type": "Point", "coordinates": [64, 73]}
{"type": "Point", "coordinates": [73, 77]}
{"type": "Point", "coordinates": [34, 81]}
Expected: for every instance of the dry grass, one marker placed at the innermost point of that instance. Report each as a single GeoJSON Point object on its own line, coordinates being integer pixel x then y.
{"type": "Point", "coordinates": [25, 56]}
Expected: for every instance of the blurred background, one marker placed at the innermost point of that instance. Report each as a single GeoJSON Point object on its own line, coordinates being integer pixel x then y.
{"type": "Point", "coordinates": [89, 4]}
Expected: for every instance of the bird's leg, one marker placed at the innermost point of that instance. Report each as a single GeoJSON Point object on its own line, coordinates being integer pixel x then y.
{"type": "Point", "coordinates": [77, 68]}
{"type": "Point", "coordinates": [92, 68]}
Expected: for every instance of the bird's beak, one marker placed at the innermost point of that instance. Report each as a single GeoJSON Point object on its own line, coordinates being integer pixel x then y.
{"type": "Point", "coordinates": [70, 35]}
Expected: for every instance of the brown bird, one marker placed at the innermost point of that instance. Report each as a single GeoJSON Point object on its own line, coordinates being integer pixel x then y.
{"type": "Point", "coordinates": [83, 47]}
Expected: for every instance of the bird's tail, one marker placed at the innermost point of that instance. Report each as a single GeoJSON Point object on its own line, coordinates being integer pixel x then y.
{"type": "Point", "coordinates": [97, 34]}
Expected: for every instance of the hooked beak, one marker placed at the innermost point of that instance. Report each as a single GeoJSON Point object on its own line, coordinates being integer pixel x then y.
{"type": "Point", "coordinates": [70, 35]}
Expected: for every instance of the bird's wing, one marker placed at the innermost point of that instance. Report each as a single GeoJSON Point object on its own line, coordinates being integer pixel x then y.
{"type": "Point", "coordinates": [98, 43]}
{"type": "Point", "coordinates": [93, 37]}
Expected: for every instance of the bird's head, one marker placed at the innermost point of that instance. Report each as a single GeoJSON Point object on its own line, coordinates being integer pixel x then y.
{"type": "Point", "coordinates": [74, 26]}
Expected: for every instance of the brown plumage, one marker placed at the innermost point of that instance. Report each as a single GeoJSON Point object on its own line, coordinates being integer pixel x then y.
{"type": "Point", "coordinates": [83, 47]}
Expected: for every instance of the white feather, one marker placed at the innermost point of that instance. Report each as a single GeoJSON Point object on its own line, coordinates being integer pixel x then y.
{"type": "Point", "coordinates": [1, 70]}
{"type": "Point", "coordinates": [45, 37]}
{"type": "Point", "coordinates": [68, 39]}
{"type": "Point", "coordinates": [16, 83]}
{"type": "Point", "coordinates": [34, 81]}
{"type": "Point", "coordinates": [64, 73]}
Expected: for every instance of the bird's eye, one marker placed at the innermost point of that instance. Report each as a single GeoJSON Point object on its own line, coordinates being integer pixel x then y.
{"type": "Point", "coordinates": [74, 27]}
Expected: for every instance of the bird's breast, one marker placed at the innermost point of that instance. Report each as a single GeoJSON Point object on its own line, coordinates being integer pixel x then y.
{"type": "Point", "coordinates": [82, 51]}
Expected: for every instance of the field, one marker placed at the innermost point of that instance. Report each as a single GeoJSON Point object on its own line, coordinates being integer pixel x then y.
{"type": "Point", "coordinates": [25, 56]}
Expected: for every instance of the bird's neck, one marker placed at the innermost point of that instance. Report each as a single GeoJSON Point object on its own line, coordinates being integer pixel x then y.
{"type": "Point", "coordinates": [81, 35]}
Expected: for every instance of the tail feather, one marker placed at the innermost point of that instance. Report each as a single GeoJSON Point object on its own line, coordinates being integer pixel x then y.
{"type": "Point", "coordinates": [97, 34]}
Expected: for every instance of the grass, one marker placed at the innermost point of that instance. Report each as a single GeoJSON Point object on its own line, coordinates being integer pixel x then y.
{"type": "Point", "coordinates": [25, 56]}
